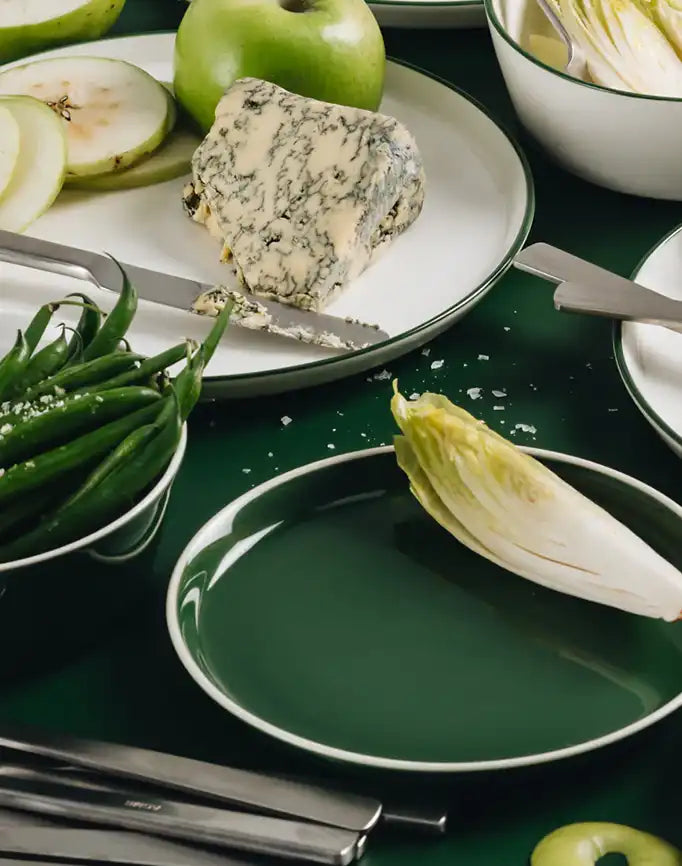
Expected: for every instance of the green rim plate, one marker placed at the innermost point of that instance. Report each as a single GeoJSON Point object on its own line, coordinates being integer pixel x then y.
{"type": "Point", "coordinates": [327, 610]}
{"type": "Point", "coordinates": [639, 386]}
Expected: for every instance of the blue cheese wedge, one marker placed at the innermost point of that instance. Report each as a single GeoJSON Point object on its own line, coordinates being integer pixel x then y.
{"type": "Point", "coordinates": [303, 195]}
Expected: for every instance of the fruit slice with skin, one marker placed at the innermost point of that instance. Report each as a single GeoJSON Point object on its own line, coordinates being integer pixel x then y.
{"type": "Point", "coordinates": [27, 26]}
{"type": "Point", "coordinates": [39, 173]}
{"type": "Point", "coordinates": [171, 160]}
{"type": "Point", "coordinates": [9, 148]}
{"type": "Point", "coordinates": [113, 113]}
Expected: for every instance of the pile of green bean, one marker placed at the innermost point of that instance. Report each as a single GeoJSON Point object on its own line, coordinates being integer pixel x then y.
{"type": "Point", "coordinates": [87, 426]}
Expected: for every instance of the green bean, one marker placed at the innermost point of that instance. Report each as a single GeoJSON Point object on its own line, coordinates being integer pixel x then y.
{"type": "Point", "coordinates": [82, 452]}
{"type": "Point", "coordinates": [120, 455]}
{"type": "Point", "coordinates": [38, 324]}
{"type": "Point", "coordinates": [13, 364]}
{"type": "Point", "coordinates": [188, 383]}
{"type": "Point", "coordinates": [45, 428]}
{"type": "Point", "coordinates": [144, 370]}
{"type": "Point", "coordinates": [129, 473]}
{"type": "Point", "coordinates": [45, 363]}
{"type": "Point", "coordinates": [86, 329]}
{"type": "Point", "coordinates": [85, 374]}
{"type": "Point", "coordinates": [216, 333]}
{"type": "Point", "coordinates": [116, 323]}
{"type": "Point", "coordinates": [28, 510]}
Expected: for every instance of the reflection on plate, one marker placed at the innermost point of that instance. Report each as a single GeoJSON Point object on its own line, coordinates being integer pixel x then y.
{"type": "Point", "coordinates": [327, 610]}
{"type": "Point", "coordinates": [478, 210]}
{"type": "Point", "coordinates": [650, 357]}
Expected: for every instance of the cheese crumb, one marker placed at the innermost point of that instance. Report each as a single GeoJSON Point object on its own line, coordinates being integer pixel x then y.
{"type": "Point", "coordinates": [526, 428]}
{"type": "Point", "coordinates": [436, 365]}
{"type": "Point", "coordinates": [286, 420]}
{"type": "Point", "coordinates": [383, 375]}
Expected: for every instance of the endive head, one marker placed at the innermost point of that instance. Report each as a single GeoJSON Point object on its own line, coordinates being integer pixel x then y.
{"type": "Point", "coordinates": [507, 506]}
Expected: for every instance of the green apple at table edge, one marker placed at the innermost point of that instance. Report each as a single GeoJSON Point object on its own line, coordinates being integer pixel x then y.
{"type": "Point", "coordinates": [331, 50]}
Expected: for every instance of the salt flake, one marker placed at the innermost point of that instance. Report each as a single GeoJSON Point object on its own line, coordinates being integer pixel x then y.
{"type": "Point", "coordinates": [474, 393]}
{"type": "Point", "coordinates": [436, 365]}
{"type": "Point", "coordinates": [286, 420]}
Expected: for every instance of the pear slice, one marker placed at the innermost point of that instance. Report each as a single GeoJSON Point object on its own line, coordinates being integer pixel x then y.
{"type": "Point", "coordinates": [39, 171]}
{"type": "Point", "coordinates": [113, 113]}
{"type": "Point", "coordinates": [9, 148]}
{"type": "Point", "coordinates": [171, 160]}
{"type": "Point", "coordinates": [27, 26]}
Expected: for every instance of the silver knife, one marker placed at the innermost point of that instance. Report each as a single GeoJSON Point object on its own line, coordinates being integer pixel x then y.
{"type": "Point", "coordinates": [593, 290]}
{"type": "Point", "coordinates": [253, 313]}
{"type": "Point", "coordinates": [47, 793]}
{"type": "Point", "coordinates": [243, 788]}
{"type": "Point", "coordinates": [105, 846]}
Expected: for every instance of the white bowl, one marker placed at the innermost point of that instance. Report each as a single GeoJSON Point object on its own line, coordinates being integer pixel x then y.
{"type": "Point", "coordinates": [118, 541]}
{"type": "Point", "coordinates": [623, 141]}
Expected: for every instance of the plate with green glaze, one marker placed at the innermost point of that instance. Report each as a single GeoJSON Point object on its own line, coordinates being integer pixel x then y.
{"type": "Point", "coordinates": [326, 609]}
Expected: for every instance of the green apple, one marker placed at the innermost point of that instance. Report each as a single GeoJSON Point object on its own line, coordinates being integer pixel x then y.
{"type": "Point", "coordinates": [27, 26]}
{"type": "Point", "coordinates": [326, 49]}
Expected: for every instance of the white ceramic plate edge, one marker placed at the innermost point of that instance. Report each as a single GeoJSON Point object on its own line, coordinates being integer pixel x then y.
{"type": "Point", "coordinates": [671, 437]}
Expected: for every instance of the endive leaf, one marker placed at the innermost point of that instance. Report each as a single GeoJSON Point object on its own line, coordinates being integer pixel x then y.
{"type": "Point", "coordinates": [510, 508]}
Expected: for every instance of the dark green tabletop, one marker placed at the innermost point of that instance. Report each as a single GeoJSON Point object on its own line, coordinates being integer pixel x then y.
{"type": "Point", "coordinates": [120, 678]}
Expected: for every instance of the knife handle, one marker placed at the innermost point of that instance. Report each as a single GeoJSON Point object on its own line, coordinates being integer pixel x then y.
{"type": "Point", "coordinates": [557, 266]}
{"type": "Point", "coordinates": [84, 802]}
{"type": "Point", "coordinates": [242, 788]}
{"type": "Point", "coordinates": [54, 258]}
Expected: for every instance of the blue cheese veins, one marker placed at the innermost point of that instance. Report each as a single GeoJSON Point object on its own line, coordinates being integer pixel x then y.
{"type": "Point", "coordinates": [302, 194]}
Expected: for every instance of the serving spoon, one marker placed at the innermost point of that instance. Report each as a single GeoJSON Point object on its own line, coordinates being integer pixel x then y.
{"type": "Point", "coordinates": [576, 65]}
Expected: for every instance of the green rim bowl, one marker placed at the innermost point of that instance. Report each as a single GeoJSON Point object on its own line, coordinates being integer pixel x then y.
{"type": "Point", "coordinates": [327, 610]}
{"type": "Point", "coordinates": [119, 541]}
{"type": "Point", "coordinates": [627, 142]}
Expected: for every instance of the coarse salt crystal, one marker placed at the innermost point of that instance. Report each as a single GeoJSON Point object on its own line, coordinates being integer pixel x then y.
{"type": "Point", "coordinates": [507, 328]}
{"type": "Point", "coordinates": [330, 446]}
{"type": "Point", "coordinates": [426, 352]}
{"type": "Point", "coordinates": [286, 420]}
{"type": "Point", "coordinates": [246, 471]}
{"type": "Point", "coordinates": [484, 357]}
{"type": "Point", "coordinates": [498, 408]}
{"type": "Point", "coordinates": [499, 394]}
{"type": "Point", "coordinates": [436, 365]}
{"type": "Point", "coordinates": [474, 393]}
{"type": "Point", "coordinates": [384, 374]}
{"type": "Point", "coordinates": [414, 396]}
{"type": "Point", "coordinates": [270, 454]}
{"type": "Point", "coordinates": [526, 428]}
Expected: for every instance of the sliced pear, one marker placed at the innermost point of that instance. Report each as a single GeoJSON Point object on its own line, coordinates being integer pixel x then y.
{"type": "Point", "coordinates": [113, 113]}
{"type": "Point", "coordinates": [171, 160]}
{"type": "Point", "coordinates": [27, 26]}
{"type": "Point", "coordinates": [9, 148]}
{"type": "Point", "coordinates": [39, 172]}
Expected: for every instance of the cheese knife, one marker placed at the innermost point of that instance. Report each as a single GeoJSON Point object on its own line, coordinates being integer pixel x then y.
{"type": "Point", "coordinates": [251, 312]}
{"type": "Point", "coordinates": [46, 793]}
{"type": "Point", "coordinates": [593, 290]}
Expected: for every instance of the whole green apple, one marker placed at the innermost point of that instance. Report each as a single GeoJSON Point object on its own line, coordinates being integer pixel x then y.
{"type": "Point", "coordinates": [26, 27]}
{"type": "Point", "coordinates": [331, 50]}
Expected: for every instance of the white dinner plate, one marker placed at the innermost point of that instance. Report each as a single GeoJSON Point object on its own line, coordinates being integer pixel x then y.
{"type": "Point", "coordinates": [457, 14]}
{"type": "Point", "coordinates": [650, 357]}
{"type": "Point", "coordinates": [477, 214]}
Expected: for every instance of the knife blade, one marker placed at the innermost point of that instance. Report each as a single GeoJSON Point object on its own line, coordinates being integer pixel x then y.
{"type": "Point", "coordinates": [557, 266]}
{"type": "Point", "coordinates": [46, 793]}
{"type": "Point", "coordinates": [105, 846]}
{"type": "Point", "coordinates": [253, 313]}
{"type": "Point", "coordinates": [243, 788]}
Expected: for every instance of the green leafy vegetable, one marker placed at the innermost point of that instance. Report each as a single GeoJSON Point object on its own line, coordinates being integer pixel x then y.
{"type": "Point", "coordinates": [508, 507]}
